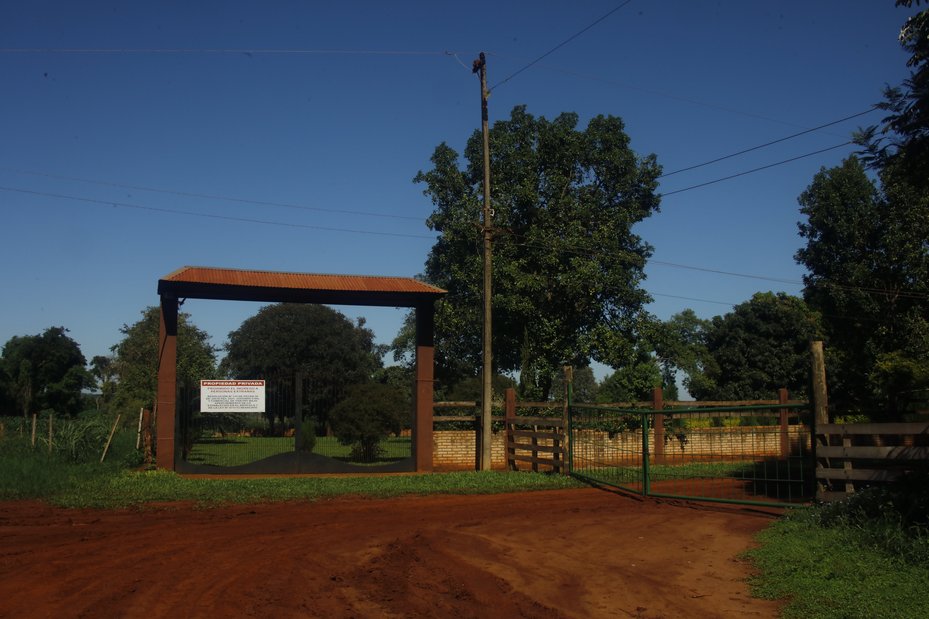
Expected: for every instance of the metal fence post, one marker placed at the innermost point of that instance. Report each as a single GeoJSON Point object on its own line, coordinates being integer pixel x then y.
{"type": "Point", "coordinates": [646, 482]}
{"type": "Point", "coordinates": [785, 439]}
{"type": "Point", "coordinates": [658, 405]}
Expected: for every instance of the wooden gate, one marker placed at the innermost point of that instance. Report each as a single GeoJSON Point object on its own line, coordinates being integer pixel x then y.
{"type": "Point", "coordinates": [537, 440]}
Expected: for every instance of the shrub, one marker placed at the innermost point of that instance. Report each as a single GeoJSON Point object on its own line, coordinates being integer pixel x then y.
{"type": "Point", "coordinates": [892, 518]}
{"type": "Point", "coordinates": [367, 415]}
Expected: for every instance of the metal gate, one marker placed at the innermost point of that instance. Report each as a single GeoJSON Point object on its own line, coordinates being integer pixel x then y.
{"type": "Point", "coordinates": [293, 435]}
{"type": "Point", "coordinates": [757, 454]}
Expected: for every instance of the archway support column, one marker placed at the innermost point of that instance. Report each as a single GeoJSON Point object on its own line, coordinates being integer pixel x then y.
{"type": "Point", "coordinates": [165, 401]}
{"type": "Point", "coordinates": [423, 398]}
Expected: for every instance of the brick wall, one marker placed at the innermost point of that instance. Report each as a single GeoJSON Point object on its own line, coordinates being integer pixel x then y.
{"type": "Point", "coordinates": [737, 442]}
{"type": "Point", "coordinates": [455, 450]}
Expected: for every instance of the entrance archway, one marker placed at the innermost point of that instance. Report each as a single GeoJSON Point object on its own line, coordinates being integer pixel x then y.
{"type": "Point", "coordinates": [280, 287]}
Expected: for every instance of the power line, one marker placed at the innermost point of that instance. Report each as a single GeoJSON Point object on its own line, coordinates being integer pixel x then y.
{"type": "Point", "coordinates": [771, 143]}
{"type": "Point", "coordinates": [222, 50]}
{"type": "Point", "coordinates": [753, 170]}
{"type": "Point", "coordinates": [559, 46]}
{"type": "Point", "coordinates": [658, 93]}
{"type": "Point", "coordinates": [674, 296]}
{"type": "Point", "coordinates": [632, 257]}
{"type": "Point", "coordinates": [778, 280]}
{"type": "Point", "coordinates": [211, 215]}
{"type": "Point", "coordinates": [188, 194]}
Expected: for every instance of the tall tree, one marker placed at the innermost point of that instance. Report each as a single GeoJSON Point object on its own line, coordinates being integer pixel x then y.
{"type": "Point", "coordinates": [902, 138]}
{"type": "Point", "coordinates": [135, 358]}
{"type": "Point", "coordinates": [315, 339]}
{"type": "Point", "coordinates": [103, 370]}
{"type": "Point", "coordinates": [584, 385]}
{"type": "Point", "coordinates": [633, 382]}
{"type": "Point", "coordinates": [45, 371]}
{"type": "Point", "coordinates": [680, 345]}
{"type": "Point", "coordinates": [567, 267]}
{"type": "Point", "coordinates": [868, 260]}
{"type": "Point", "coordinates": [757, 348]}
{"type": "Point", "coordinates": [321, 343]}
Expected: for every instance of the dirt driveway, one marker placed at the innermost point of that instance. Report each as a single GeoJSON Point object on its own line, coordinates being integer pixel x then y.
{"type": "Point", "coordinates": [568, 553]}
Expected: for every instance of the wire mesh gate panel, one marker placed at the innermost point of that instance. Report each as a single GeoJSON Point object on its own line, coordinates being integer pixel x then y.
{"type": "Point", "coordinates": [293, 435]}
{"type": "Point", "coordinates": [739, 454]}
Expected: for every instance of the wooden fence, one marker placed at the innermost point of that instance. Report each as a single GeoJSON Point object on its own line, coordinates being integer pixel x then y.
{"type": "Point", "coordinates": [536, 440]}
{"type": "Point", "coordinates": [850, 456]}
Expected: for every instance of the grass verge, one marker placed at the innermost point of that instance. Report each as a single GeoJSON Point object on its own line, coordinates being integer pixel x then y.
{"type": "Point", "coordinates": [28, 473]}
{"type": "Point", "coordinates": [137, 488]}
{"type": "Point", "coordinates": [861, 558]}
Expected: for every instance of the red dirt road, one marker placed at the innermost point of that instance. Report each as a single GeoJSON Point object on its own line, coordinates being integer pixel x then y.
{"type": "Point", "coordinates": [569, 553]}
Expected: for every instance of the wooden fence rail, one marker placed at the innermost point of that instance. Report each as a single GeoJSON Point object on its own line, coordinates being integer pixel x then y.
{"type": "Point", "coordinates": [860, 454]}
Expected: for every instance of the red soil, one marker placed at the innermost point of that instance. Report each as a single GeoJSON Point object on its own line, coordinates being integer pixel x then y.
{"type": "Point", "coordinates": [569, 553]}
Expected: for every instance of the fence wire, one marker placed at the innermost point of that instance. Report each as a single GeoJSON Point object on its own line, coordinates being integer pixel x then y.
{"type": "Point", "coordinates": [293, 434]}
{"type": "Point", "coordinates": [740, 454]}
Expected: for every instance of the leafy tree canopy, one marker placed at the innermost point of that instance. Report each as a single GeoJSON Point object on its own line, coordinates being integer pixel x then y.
{"type": "Point", "coordinates": [902, 139]}
{"type": "Point", "coordinates": [316, 340]}
{"type": "Point", "coordinates": [584, 386]}
{"type": "Point", "coordinates": [135, 358]}
{"type": "Point", "coordinates": [103, 371]}
{"type": "Point", "coordinates": [751, 352]}
{"type": "Point", "coordinates": [470, 389]}
{"type": "Point", "coordinates": [868, 260]}
{"type": "Point", "coordinates": [44, 372]}
{"type": "Point", "coordinates": [567, 267]}
{"type": "Point", "coordinates": [633, 382]}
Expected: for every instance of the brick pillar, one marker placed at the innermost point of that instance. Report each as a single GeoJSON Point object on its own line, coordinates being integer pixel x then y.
{"type": "Point", "coordinates": [166, 407]}
{"type": "Point", "coordinates": [425, 364]}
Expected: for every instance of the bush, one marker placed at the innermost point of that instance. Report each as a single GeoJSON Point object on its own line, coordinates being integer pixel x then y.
{"type": "Point", "coordinates": [367, 415]}
{"type": "Point", "coordinates": [892, 518]}
{"type": "Point", "coordinates": [306, 440]}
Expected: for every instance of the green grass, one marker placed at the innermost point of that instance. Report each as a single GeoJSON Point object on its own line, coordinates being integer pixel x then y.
{"type": "Point", "coordinates": [237, 450]}
{"type": "Point", "coordinates": [866, 556]}
{"type": "Point", "coordinates": [129, 489]}
{"type": "Point", "coordinates": [27, 473]}
{"type": "Point", "coordinates": [825, 573]}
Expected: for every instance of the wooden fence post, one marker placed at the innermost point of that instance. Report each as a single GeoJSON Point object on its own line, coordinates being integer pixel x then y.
{"type": "Point", "coordinates": [820, 398]}
{"type": "Point", "coordinates": [33, 429]}
{"type": "Point", "coordinates": [508, 421]}
{"type": "Point", "coordinates": [565, 430]}
{"type": "Point", "coordinates": [109, 439]}
{"type": "Point", "coordinates": [658, 405]}
{"type": "Point", "coordinates": [785, 437]}
{"type": "Point", "coordinates": [147, 456]}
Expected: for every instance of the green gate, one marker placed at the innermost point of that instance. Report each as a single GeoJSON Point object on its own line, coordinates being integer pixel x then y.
{"type": "Point", "coordinates": [758, 454]}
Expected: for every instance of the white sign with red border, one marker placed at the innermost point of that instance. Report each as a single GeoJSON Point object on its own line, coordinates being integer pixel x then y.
{"type": "Point", "coordinates": [232, 396]}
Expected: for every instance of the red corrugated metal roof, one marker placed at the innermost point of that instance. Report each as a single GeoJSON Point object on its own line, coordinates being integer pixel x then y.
{"type": "Point", "coordinates": [300, 281]}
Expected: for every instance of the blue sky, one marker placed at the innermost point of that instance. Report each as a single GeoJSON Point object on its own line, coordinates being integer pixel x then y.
{"type": "Point", "coordinates": [339, 136]}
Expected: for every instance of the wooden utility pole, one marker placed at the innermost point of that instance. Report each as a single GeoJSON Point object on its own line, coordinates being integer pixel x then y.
{"type": "Point", "coordinates": [480, 67]}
